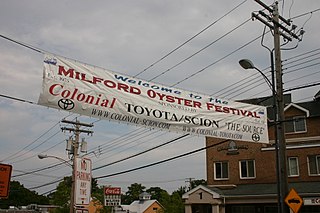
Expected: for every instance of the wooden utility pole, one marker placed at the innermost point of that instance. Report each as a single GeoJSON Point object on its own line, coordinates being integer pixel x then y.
{"type": "Point", "coordinates": [283, 175]}
{"type": "Point", "coordinates": [75, 147]}
{"type": "Point", "coordinates": [278, 31]}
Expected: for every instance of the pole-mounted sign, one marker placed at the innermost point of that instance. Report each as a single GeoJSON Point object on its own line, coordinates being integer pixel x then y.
{"type": "Point", "coordinates": [112, 196]}
{"type": "Point", "coordinates": [5, 176]}
{"type": "Point", "coordinates": [83, 175]}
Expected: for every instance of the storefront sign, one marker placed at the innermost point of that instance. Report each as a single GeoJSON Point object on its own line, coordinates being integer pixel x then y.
{"type": "Point", "coordinates": [112, 196]}
{"type": "Point", "coordinates": [311, 201]}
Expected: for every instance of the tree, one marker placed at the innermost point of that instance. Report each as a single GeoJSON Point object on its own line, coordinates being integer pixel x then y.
{"type": "Point", "coordinates": [97, 195]}
{"type": "Point", "coordinates": [156, 192]}
{"type": "Point", "coordinates": [61, 197]}
{"type": "Point", "coordinates": [20, 196]}
{"type": "Point", "coordinates": [196, 183]}
{"type": "Point", "coordinates": [133, 193]}
{"type": "Point", "coordinates": [181, 190]}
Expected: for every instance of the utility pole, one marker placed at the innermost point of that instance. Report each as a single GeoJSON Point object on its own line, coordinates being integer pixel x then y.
{"type": "Point", "coordinates": [283, 174]}
{"type": "Point", "coordinates": [75, 148]}
{"type": "Point", "coordinates": [280, 141]}
{"type": "Point", "coordinates": [189, 180]}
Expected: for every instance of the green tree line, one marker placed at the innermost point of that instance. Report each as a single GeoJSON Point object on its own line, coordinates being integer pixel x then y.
{"type": "Point", "coordinates": [20, 196]}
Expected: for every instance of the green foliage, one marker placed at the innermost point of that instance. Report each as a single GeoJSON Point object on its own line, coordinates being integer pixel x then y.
{"type": "Point", "coordinates": [156, 193]}
{"type": "Point", "coordinates": [61, 197]}
{"type": "Point", "coordinates": [173, 203]}
{"type": "Point", "coordinates": [181, 190]}
{"type": "Point", "coordinates": [133, 193]}
{"type": "Point", "coordinates": [196, 183]}
{"type": "Point", "coordinates": [20, 196]}
{"type": "Point", "coordinates": [97, 193]}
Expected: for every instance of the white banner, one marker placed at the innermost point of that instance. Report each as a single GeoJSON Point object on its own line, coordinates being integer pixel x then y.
{"type": "Point", "coordinates": [99, 93]}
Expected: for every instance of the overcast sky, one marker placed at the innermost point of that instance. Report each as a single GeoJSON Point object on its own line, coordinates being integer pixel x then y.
{"type": "Point", "coordinates": [127, 37]}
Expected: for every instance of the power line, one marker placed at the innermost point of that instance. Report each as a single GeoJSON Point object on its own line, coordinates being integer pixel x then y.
{"type": "Point", "coordinates": [15, 154]}
{"type": "Point", "coordinates": [130, 142]}
{"type": "Point", "coordinates": [16, 161]}
{"type": "Point", "coordinates": [148, 165]}
{"type": "Point", "coordinates": [17, 99]}
{"type": "Point", "coordinates": [38, 170]}
{"type": "Point", "coordinates": [215, 62]}
{"type": "Point", "coordinates": [140, 153]}
{"type": "Point", "coordinates": [202, 49]}
{"type": "Point", "coordinates": [307, 13]}
{"type": "Point", "coordinates": [242, 83]}
{"type": "Point", "coordinates": [184, 43]}
{"type": "Point", "coordinates": [22, 44]}
{"type": "Point", "coordinates": [162, 161]}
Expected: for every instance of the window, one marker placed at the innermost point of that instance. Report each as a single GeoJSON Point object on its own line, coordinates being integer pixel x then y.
{"type": "Point", "coordinates": [314, 164]}
{"type": "Point", "coordinates": [293, 167]}
{"type": "Point", "coordinates": [247, 169]}
{"type": "Point", "coordinates": [295, 124]}
{"type": "Point", "coordinates": [221, 170]}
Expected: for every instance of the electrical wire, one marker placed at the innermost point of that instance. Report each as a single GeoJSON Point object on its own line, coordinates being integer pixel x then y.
{"type": "Point", "coordinates": [162, 161]}
{"type": "Point", "coordinates": [24, 159]}
{"type": "Point", "coordinates": [15, 155]}
{"type": "Point", "coordinates": [307, 13]}
{"type": "Point", "coordinates": [190, 39]}
{"type": "Point", "coordinates": [140, 153]}
{"type": "Point", "coordinates": [130, 147]}
{"type": "Point", "coordinates": [215, 62]}
{"type": "Point", "coordinates": [202, 49]}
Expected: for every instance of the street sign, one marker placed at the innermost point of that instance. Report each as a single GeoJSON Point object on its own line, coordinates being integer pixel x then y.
{"type": "Point", "coordinates": [5, 176]}
{"type": "Point", "coordinates": [83, 169]}
{"type": "Point", "coordinates": [294, 201]}
{"type": "Point", "coordinates": [112, 196]}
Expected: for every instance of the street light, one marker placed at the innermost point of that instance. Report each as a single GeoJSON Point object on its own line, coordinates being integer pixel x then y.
{"type": "Point", "coordinates": [43, 156]}
{"type": "Point", "coordinates": [247, 64]}
{"type": "Point", "coordinates": [282, 181]}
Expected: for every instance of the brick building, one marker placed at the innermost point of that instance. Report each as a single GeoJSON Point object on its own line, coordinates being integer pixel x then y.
{"type": "Point", "coordinates": [242, 176]}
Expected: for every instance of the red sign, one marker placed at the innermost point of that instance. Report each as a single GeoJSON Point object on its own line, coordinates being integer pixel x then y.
{"type": "Point", "coordinates": [112, 190]}
{"type": "Point", "coordinates": [5, 175]}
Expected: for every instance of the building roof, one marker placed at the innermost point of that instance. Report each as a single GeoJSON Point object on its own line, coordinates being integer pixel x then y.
{"type": "Point", "coordinates": [313, 107]}
{"type": "Point", "coordinates": [266, 189]}
{"type": "Point", "coordinates": [317, 96]}
{"type": "Point", "coordinates": [252, 190]}
{"type": "Point", "coordinates": [139, 206]}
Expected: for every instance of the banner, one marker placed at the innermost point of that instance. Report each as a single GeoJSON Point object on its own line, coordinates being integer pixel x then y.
{"type": "Point", "coordinates": [99, 93]}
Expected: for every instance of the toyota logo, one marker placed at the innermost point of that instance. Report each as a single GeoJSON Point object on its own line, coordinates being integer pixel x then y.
{"type": "Point", "coordinates": [255, 137]}
{"type": "Point", "coordinates": [66, 104]}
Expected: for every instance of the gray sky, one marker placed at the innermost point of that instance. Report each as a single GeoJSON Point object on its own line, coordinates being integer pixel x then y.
{"type": "Point", "coordinates": [127, 37]}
